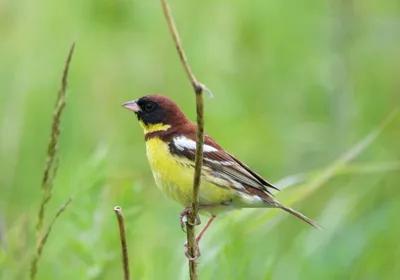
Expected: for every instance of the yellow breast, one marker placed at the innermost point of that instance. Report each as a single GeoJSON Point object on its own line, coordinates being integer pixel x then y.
{"type": "Point", "coordinates": [175, 177]}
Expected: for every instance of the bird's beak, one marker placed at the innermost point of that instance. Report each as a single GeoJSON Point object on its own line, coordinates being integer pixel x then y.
{"type": "Point", "coordinates": [132, 106]}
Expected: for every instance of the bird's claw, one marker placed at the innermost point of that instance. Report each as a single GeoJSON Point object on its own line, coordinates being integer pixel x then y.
{"type": "Point", "coordinates": [184, 218]}
{"type": "Point", "coordinates": [197, 252]}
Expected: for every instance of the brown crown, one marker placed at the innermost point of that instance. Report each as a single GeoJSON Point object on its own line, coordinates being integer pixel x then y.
{"type": "Point", "coordinates": [173, 114]}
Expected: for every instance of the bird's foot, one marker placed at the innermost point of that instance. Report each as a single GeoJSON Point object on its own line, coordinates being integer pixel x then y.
{"type": "Point", "coordinates": [184, 218]}
{"type": "Point", "coordinates": [197, 253]}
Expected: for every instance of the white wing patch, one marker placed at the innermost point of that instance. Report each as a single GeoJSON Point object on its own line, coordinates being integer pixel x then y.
{"type": "Point", "coordinates": [182, 143]}
{"type": "Point", "coordinates": [225, 163]}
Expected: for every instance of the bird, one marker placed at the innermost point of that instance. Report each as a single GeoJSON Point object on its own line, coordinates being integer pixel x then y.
{"type": "Point", "coordinates": [226, 182]}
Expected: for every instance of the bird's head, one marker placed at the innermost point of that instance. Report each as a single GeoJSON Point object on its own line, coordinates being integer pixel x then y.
{"type": "Point", "coordinates": [156, 113]}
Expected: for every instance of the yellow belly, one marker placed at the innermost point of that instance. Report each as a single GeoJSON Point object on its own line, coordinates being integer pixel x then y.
{"type": "Point", "coordinates": [175, 178]}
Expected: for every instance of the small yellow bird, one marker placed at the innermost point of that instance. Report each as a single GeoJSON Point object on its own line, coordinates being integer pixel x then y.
{"type": "Point", "coordinates": [226, 182]}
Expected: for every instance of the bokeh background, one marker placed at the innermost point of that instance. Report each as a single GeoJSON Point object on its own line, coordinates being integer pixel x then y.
{"type": "Point", "coordinates": [297, 86]}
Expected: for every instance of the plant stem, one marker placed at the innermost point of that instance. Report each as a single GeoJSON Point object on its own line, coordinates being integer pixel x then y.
{"type": "Point", "coordinates": [198, 90]}
{"type": "Point", "coordinates": [122, 235]}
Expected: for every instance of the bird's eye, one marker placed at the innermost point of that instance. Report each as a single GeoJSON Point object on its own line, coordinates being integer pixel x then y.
{"type": "Point", "coordinates": [149, 107]}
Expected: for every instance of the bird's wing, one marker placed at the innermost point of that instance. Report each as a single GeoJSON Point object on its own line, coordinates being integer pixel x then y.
{"type": "Point", "coordinates": [222, 168]}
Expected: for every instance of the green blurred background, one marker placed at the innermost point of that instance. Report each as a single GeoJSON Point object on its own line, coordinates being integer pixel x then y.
{"type": "Point", "coordinates": [297, 84]}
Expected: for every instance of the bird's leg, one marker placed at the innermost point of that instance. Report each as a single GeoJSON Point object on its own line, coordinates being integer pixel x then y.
{"type": "Point", "coordinates": [198, 238]}
{"type": "Point", "coordinates": [200, 235]}
{"type": "Point", "coordinates": [188, 210]}
{"type": "Point", "coordinates": [183, 219]}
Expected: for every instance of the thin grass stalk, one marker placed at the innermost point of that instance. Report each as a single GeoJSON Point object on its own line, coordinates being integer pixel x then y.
{"type": "Point", "coordinates": [51, 168]}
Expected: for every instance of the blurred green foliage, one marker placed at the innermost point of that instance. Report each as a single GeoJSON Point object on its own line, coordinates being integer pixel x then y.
{"type": "Point", "coordinates": [296, 85]}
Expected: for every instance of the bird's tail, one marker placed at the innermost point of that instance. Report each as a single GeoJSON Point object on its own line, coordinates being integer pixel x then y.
{"type": "Point", "coordinates": [300, 216]}
{"type": "Point", "coordinates": [274, 203]}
